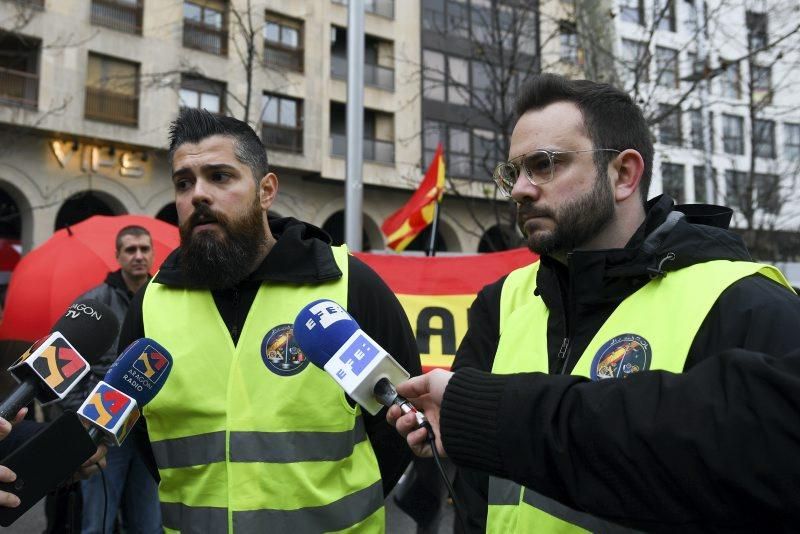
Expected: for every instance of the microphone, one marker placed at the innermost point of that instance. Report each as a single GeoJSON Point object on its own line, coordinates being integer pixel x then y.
{"type": "Point", "coordinates": [333, 341]}
{"type": "Point", "coordinates": [115, 403]}
{"type": "Point", "coordinates": [53, 365]}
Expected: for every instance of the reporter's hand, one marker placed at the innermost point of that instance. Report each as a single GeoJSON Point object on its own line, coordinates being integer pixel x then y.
{"type": "Point", "coordinates": [9, 500]}
{"type": "Point", "coordinates": [92, 466]}
{"type": "Point", "coordinates": [425, 392]}
{"type": "Point", "coordinates": [5, 426]}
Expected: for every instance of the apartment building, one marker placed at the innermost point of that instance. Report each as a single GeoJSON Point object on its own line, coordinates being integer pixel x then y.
{"type": "Point", "coordinates": [88, 88]}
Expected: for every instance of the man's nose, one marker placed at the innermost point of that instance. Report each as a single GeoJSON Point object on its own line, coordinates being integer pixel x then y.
{"type": "Point", "coordinates": [201, 193]}
{"type": "Point", "coordinates": [523, 189]}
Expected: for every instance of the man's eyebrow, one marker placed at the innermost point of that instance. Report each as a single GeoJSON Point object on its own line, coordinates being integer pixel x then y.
{"type": "Point", "coordinates": [205, 168]}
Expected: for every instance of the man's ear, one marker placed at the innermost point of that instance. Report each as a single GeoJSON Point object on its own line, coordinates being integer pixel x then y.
{"type": "Point", "coordinates": [267, 190]}
{"type": "Point", "coordinates": [629, 165]}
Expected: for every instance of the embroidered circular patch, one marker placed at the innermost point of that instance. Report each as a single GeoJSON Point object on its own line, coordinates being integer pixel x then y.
{"type": "Point", "coordinates": [621, 356]}
{"type": "Point", "coordinates": [280, 352]}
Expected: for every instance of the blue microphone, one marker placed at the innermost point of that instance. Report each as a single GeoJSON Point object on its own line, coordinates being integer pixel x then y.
{"type": "Point", "coordinates": [333, 341]}
{"type": "Point", "coordinates": [115, 404]}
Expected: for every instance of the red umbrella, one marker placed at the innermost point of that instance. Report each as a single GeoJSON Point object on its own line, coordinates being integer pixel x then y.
{"type": "Point", "coordinates": [72, 261]}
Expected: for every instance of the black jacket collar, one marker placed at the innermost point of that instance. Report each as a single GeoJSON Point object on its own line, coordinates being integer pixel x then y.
{"type": "Point", "coordinates": [301, 254]}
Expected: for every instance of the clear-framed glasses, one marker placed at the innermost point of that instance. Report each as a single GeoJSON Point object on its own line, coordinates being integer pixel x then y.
{"type": "Point", "coordinates": [539, 167]}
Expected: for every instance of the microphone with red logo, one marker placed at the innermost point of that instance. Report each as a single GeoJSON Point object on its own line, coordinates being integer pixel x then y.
{"type": "Point", "coordinates": [52, 366]}
{"type": "Point", "coordinates": [333, 341]}
{"type": "Point", "coordinates": [115, 403]}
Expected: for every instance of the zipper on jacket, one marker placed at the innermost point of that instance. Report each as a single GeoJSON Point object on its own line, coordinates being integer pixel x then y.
{"type": "Point", "coordinates": [562, 355]}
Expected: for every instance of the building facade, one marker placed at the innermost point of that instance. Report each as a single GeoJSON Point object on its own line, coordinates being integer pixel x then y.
{"type": "Point", "coordinates": [88, 88]}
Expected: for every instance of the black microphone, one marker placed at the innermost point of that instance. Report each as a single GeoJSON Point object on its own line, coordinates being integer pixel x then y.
{"type": "Point", "coordinates": [53, 365]}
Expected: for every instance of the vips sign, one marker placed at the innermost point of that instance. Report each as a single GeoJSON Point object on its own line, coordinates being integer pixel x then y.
{"type": "Point", "coordinates": [436, 294]}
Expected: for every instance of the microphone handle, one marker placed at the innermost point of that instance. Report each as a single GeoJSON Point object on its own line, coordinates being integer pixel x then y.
{"type": "Point", "coordinates": [96, 435]}
{"type": "Point", "coordinates": [19, 398]}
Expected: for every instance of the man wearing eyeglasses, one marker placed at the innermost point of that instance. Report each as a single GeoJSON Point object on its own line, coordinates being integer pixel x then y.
{"type": "Point", "coordinates": [623, 286]}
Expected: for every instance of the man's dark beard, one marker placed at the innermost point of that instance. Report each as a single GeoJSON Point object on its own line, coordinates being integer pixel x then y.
{"type": "Point", "coordinates": [214, 262]}
{"type": "Point", "coordinates": [576, 222]}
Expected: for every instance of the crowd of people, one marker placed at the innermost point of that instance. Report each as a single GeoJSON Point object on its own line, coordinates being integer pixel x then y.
{"type": "Point", "coordinates": [641, 375]}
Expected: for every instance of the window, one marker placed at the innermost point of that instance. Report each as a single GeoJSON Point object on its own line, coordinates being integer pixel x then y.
{"type": "Point", "coordinates": [632, 11]}
{"type": "Point", "coordinates": [732, 134]}
{"type": "Point", "coordinates": [457, 18]}
{"type": "Point", "coordinates": [756, 29]}
{"type": "Point", "coordinates": [19, 70]}
{"type": "Point", "coordinates": [791, 142]}
{"type": "Point", "coordinates": [672, 176]}
{"type": "Point", "coordinates": [738, 190]}
{"type": "Point", "coordinates": [120, 15]}
{"type": "Point", "coordinates": [433, 82]}
{"type": "Point", "coordinates": [764, 138]}
{"type": "Point", "coordinates": [283, 42]}
{"type": "Point", "coordinates": [384, 8]}
{"type": "Point", "coordinates": [669, 128]}
{"type": "Point", "coordinates": [112, 90]}
{"type": "Point", "coordinates": [768, 192]}
{"type": "Point", "coordinates": [690, 15]}
{"type": "Point", "coordinates": [482, 91]}
{"type": "Point", "coordinates": [570, 51]}
{"type": "Point", "coordinates": [433, 15]}
{"type": "Point", "coordinates": [664, 14]}
{"type": "Point", "coordinates": [700, 187]}
{"type": "Point", "coordinates": [484, 153]}
{"type": "Point", "coordinates": [205, 26]}
{"type": "Point", "coordinates": [458, 80]}
{"type": "Point", "coordinates": [698, 139]}
{"type": "Point", "coordinates": [282, 123]}
{"type": "Point", "coordinates": [470, 153]}
{"type": "Point", "coordinates": [667, 66]}
{"type": "Point", "coordinates": [635, 61]}
{"type": "Point", "coordinates": [762, 84]}
{"type": "Point", "coordinates": [731, 81]}
{"type": "Point", "coordinates": [202, 93]}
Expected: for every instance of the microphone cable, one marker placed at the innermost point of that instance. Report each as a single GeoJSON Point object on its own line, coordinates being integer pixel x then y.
{"type": "Point", "coordinates": [105, 497]}
{"type": "Point", "coordinates": [438, 461]}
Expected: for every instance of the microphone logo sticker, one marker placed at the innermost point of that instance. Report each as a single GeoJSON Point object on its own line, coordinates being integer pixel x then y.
{"type": "Point", "coordinates": [358, 355]}
{"type": "Point", "coordinates": [621, 356]}
{"type": "Point", "coordinates": [328, 312]}
{"type": "Point", "coordinates": [106, 406]}
{"type": "Point", "coordinates": [151, 364]}
{"type": "Point", "coordinates": [280, 352]}
{"type": "Point", "coordinates": [59, 365]}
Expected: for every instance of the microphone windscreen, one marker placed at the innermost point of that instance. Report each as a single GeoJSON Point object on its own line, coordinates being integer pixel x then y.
{"type": "Point", "coordinates": [321, 328]}
{"type": "Point", "coordinates": [90, 326]}
{"type": "Point", "coordinates": [141, 370]}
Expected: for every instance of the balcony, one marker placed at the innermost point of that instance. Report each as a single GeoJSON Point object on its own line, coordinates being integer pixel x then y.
{"type": "Point", "coordinates": [282, 138]}
{"type": "Point", "coordinates": [110, 106]}
{"type": "Point", "coordinates": [383, 8]}
{"type": "Point", "coordinates": [374, 149]}
{"type": "Point", "coordinates": [18, 87]}
{"type": "Point", "coordinates": [116, 15]}
{"type": "Point", "coordinates": [374, 75]}
{"type": "Point", "coordinates": [287, 58]}
{"type": "Point", "coordinates": [204, 37]}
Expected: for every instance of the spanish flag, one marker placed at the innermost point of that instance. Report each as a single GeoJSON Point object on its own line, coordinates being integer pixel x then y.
{"type": "Point", "coordinates": [401, 227]}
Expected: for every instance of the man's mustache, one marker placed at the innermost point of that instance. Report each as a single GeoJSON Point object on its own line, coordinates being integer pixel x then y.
{"type": "Point", "coordinates": [203, 214]}
{"type": "Point", "coordinates": [526, 210]}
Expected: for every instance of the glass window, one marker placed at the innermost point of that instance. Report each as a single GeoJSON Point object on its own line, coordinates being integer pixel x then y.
{"type": "Point", "coordinates": [189, 98]}
{"type": "Point", "coordinates": [791, 142]}
{"type": "Point", "coordinates": [667, 66]}
{"type": "Point", "coordinates": [698, 140]}
{"type": "Point", "coordinates": [202, 93]}
{"type": "Point", "coordinates": [700, 188]}
{"type": "Point", "coordinates": [570, 51]}
{"type": "Point", "coordinates": [482, 86]}
{"type": "Point", "coordinates": [280, 110]}
{"type": "Point", "coordinates": [192, 12]}
{"type": "Point", "coordinates": [632, 11]}
{"type": "Point", "coordinates": [635, 61]}
{"type": "Point", "coordinates": [762, 84]}
{"type": "Point", "coordinates": [732, 134]}
{"type": "Point", "coordinates": [731, 81]}
{"type": "Point", "coordinates": [210, 102]}
{"type": "Point", "coordinates": [768, 192]}
{"type": "Point", "coordinates": [672, 176]}
{"type": "Point", "coordinates": [669, 127]}
{"type": "Point", "coordinates": [433, 83]}
{"type": "Point", "coordinates": [272, 32]}
{"type": "Point", "coordinates": [738, 192]}
{"type": "Point", "coordinates": [756, 29]}
{"type": "Point", "coordinates": [458, 154]}
{"type": "Point", "coordinates": [484, 153]}
{"type": "Point", "coordinates": [458, 80]}
{"type": "Point", "coordinates": [764, 138]}
{"type": "Point", "coordinates": [664, 15]}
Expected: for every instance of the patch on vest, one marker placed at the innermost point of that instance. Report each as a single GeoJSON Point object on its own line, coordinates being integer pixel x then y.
{"type": "Point", "coordinates": [621, 356]}
{"type": "Point", "coordinates": [280, 352]}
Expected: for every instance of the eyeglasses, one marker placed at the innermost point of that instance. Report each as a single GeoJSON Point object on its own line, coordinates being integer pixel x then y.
{"type": "Point", "coordinates": [539, 165]}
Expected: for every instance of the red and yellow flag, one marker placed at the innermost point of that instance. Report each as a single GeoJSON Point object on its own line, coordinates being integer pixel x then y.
{"type": "Point", "coordinates": [401, 227]}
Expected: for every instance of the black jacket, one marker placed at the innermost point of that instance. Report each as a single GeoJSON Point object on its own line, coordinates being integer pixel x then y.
{"type": "Point", "coordinates": [595, 467]}
{"type": "Point", "coordinates": [302, 255]}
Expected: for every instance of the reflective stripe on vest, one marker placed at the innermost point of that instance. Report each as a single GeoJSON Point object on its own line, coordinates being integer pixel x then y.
{"type": "Point", "coordinates": [252, 433]}
{"type": "Point", "coordinates": [666, 314]}
{"type": "Point", "coordinates": [348, 512]}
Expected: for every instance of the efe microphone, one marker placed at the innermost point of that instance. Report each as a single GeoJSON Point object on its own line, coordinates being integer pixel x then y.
{"type": "Point", "coordinates": [333, 341]}
{"type": "Point", "coordinates": [52, 366]}
{"type": "Point", "coordinates": [115, 403]}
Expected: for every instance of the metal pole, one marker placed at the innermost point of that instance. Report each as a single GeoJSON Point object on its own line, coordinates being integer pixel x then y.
{"type": "Point", "coordinates": [434, 228]}
{"type": "Point", "coordinates": [354, 187]}
{"type": "Point", "coordinates": [705, 113]}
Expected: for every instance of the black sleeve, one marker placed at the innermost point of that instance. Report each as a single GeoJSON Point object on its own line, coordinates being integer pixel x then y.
{"type": "Point", "coordinates": [719, 442]}
{"type": "Point", "coordinates": [755, 314]}
{"type": "Point", "coordinates": [376, 309]}
{"type": "Point", "coordinates": [133, 329]}
{"type": "Point", "coordinates": [477, 351]}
